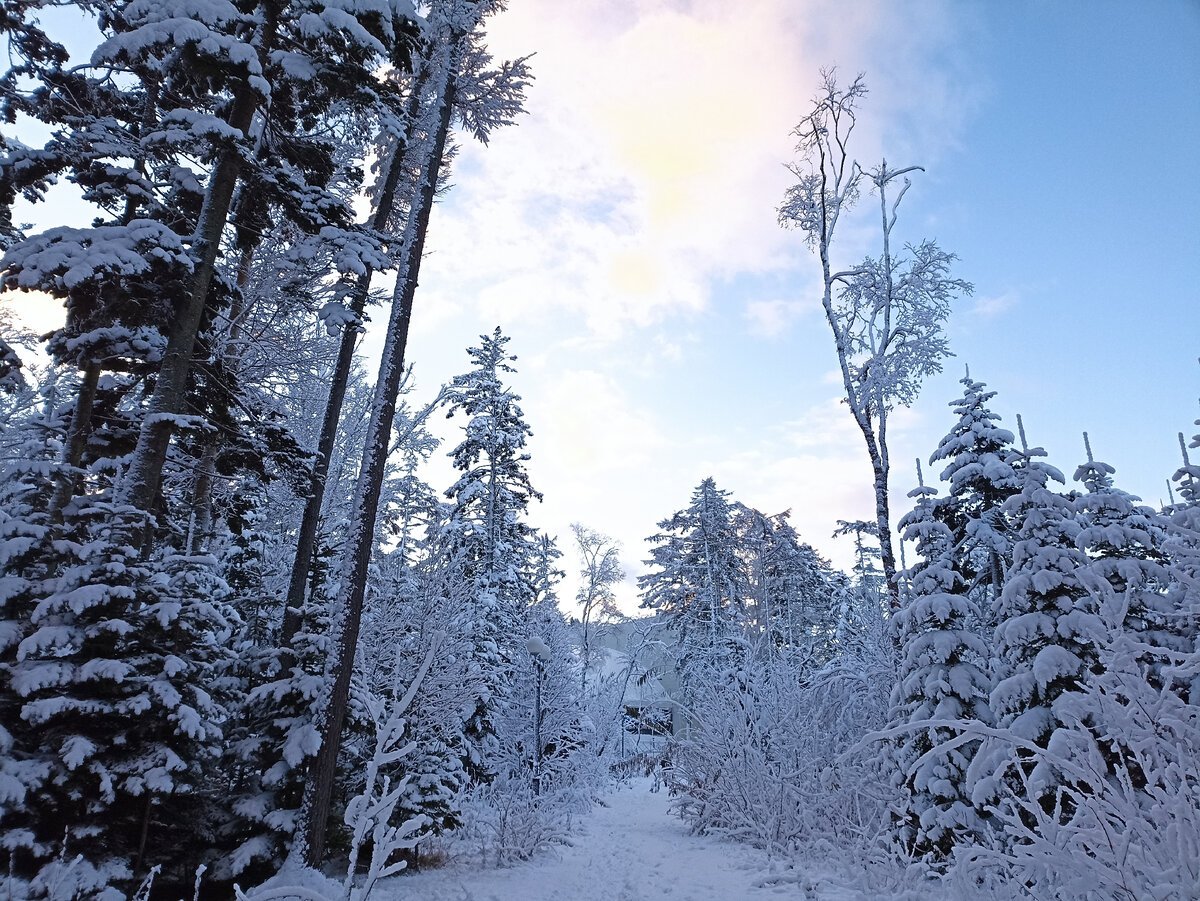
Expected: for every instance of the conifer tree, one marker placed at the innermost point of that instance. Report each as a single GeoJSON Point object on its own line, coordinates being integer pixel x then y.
{"type": "Point", "coordinates": [942, 677]}
{"type": "Point", "coordinates": [790, 597]}
{"type": "Point", "coordinates": [487, 536]}
{"type": "Point", "coordinates": [861, 598]}
{"type": "Point", "coordinates": [191, 93]}
{"type": "Point", "coordinates": [114, 676]}
{"type": "Point", "coordinates": [1183, 546]}
{"type": "Point", "coordinates": [1127, 571]}
{"type": "Point", "coordinates": [28, 562]}
{"type": "Point", "coordinates": [698, 584]}
{"type": "Point", "coordinates": [976, 453]}
{"type": "Point", "coordinates": [1048, 642]}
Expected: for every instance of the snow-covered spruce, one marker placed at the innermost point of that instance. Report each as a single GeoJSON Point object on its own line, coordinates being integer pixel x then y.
{"type": "Point", "coordinates": [1048, 640]}
{"type": "Point", "coordinates": [1127, 563]}
{"type": "Point", "coordinates": [697, 586]}
{"type": "Point", "coordinates": [976, 453]}
{"type": "Point", "coordinates": [487, 536]}
{"type": "Point", "coordinates": [114, 680]}
{"type": "Point", "coordinates": [942, 676]}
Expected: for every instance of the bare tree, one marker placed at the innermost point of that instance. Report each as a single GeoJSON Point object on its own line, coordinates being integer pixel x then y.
{"type": "Point", "coordinates": [886, 313]}
{"type": "Point", "coordinates": [600, 570]}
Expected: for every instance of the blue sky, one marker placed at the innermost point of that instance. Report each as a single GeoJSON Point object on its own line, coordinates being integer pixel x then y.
{"type": "Point", "coordinates": [624, 235]}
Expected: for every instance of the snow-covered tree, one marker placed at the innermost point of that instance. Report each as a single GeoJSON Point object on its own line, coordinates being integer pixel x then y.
{"type": "Point", "coordinates": [942, 677]}
{"type": "Point", "coordinates": [862, 599]}
{"type": "Point", "coordinates": [886, 313]}
{"type": "Point", "coordinates": [1123, 823]}
{"type": "Point", "coordinates": [976, 454]}
{"type": "Point", "coordinates": [429, 596]}
{"type": "Point", "coordinates": [1048, 640]}
{"type": "Point", "coordinates": [486, 533]}
{"type": "Point", "coordinates": [698, 584]}
{"type": "Point", "coordinates": [29, 563]}
{"type": "Point", "coordinates": [599, 572]}
{"type": "Point", "coordinates": [114, 677]}
{"type": "Point", "coordinates": [790, 596]}
{"type": "Point", "coordinates": [1127, 563]}
{"type": "Point", "coordinates": [1183, 545]}
{"type": "Point", "coordinates": [168, 153]}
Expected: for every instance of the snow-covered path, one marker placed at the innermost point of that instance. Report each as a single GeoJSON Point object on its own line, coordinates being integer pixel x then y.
{"type": "Point", "coordinates": [633, 849]}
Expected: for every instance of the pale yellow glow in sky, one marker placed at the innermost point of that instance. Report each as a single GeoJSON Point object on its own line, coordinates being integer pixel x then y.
{"type": "Point", "coordinates": [36, 310]}
{"type": "Point", "coordinates": [634, 272]}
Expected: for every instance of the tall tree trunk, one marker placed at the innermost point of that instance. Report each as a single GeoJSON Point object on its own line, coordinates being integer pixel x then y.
{"type": "Point", "coordinates": [318, 789]}
{"type": "Point", "coordinates": [307, 540]}
{"type": "Point", "coordinates": [142, 481]}
{"type": "Point", "coordinates": [212, 443]}
{"type": "Point", "coordinates": [202, 489]}
{"type": "Point", "coordinates": [70, 483]}
{"type": "Point", "coordinates": [883, 521]}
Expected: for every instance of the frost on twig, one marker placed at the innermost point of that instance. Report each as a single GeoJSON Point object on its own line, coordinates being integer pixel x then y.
{"type": "Point", "coordinates": [368, 814]}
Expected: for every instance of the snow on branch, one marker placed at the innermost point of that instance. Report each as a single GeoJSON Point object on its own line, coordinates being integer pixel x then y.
{"type": "Point", "coordinates": [367, 814]}
{"type": "Point", "coordinates": [59, 259]}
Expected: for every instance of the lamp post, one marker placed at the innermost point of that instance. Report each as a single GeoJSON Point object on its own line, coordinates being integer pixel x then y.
{"type": "Point", "coordinates": [540, 652]}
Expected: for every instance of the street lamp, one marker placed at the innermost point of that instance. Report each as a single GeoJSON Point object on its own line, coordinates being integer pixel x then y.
{"type": "Point", "coordinates": [540, 652]}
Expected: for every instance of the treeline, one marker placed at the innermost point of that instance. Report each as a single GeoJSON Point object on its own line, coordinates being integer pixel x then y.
{"type": "Point", "coordinates": [158, 733]}
{"type": "Point", "coordinates": [1026, 722]}
{"type": "Point", "coordinates": [236, 627]}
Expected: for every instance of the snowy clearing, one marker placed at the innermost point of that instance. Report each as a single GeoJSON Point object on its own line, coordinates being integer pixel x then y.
{"type": "Point", "coordinates": [631, 848]}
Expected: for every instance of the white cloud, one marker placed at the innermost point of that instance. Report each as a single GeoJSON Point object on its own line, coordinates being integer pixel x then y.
{"type": "Point", "coordinates": [774, 318]}
{"type": "Point", "coordinates": [591, 428]}
{"type": "Point", "coordinates": [651, 162]}
{"type": "Point", "coordinates": [990, 305]}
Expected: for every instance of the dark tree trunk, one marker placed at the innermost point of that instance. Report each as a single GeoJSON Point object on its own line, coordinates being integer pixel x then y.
{"type": "Point", "coordinates": [318, 789]}
{"type": "Point", "coordinates": [307, 540]}
{"type": "Point", "coordinates": [71, 483]}
{"type": "Point", "coordinates": [144, 477]}
{"type": "Point", "coordinates": [202, 489]}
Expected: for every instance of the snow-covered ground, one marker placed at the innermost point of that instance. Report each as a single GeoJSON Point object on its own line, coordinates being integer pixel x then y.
{"type": "Point", "coordinates": [629, 849]}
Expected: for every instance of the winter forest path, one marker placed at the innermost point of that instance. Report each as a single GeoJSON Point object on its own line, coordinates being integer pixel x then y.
{"type": "Point", "coordinates": [632, 849]}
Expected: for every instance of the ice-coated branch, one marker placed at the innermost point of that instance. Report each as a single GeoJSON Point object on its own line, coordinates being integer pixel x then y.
{"type": "Point", "coordinates": [372, 813]}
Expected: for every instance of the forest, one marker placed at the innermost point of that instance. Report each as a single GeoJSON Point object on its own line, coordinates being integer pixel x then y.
{"type": "Point", "coordinates": [248, 650]}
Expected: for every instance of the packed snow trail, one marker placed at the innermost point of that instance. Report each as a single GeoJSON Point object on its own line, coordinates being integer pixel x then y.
{"type": "Point", "coordinates": [631, 849]}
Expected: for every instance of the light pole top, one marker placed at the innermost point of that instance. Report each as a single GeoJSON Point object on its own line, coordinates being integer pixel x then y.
{"type": "Point", "coordinates": [539, 649]}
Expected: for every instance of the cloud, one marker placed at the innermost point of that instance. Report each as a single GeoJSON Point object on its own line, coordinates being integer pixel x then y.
{"type": "Point", "coordinates": [651, 161]}
{"type": "Point", "coordinates": [990, 305]}
{"type": "Point", "coordinates": [591, 428]}
{"type": "Point", "coordinates": [774, 318]}
{"type": "Point", "coordinates": [593, 443]}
